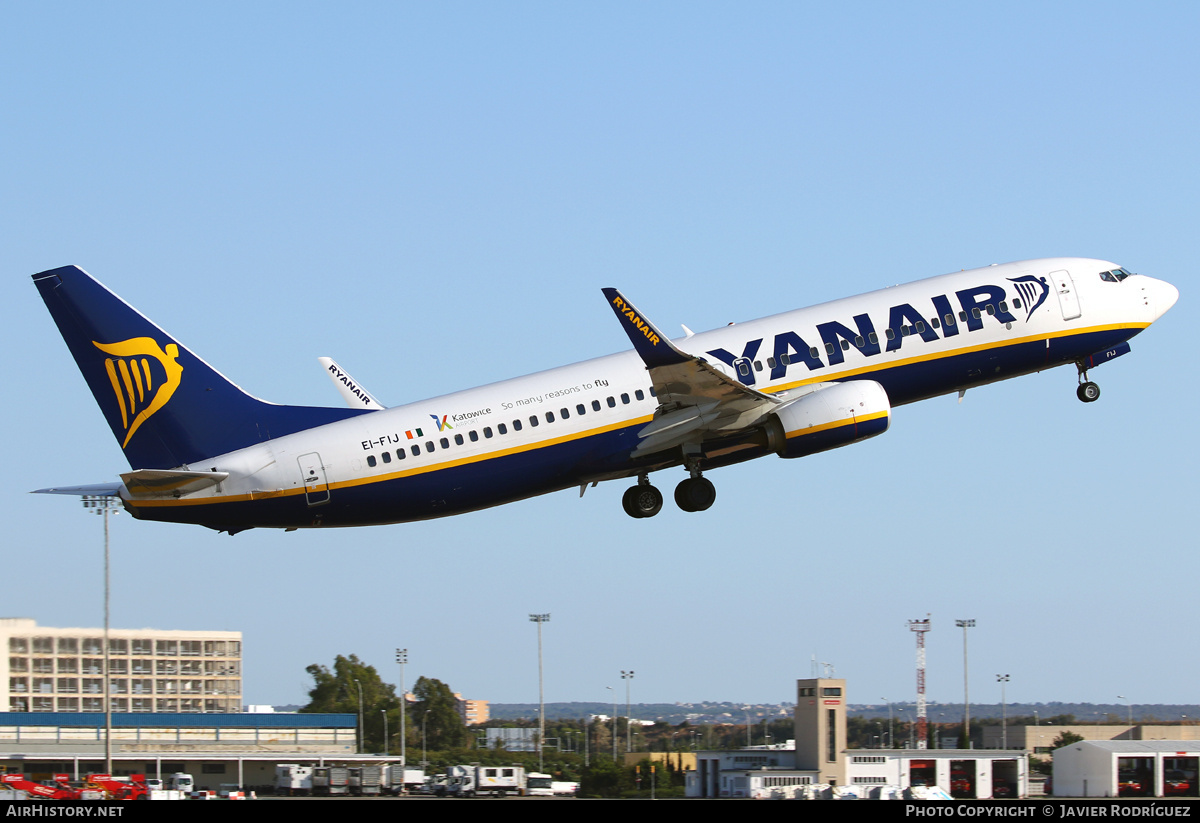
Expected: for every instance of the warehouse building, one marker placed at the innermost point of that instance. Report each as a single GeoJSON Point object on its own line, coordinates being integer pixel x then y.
{"type": "Point", "coordinates": [1127, 768]}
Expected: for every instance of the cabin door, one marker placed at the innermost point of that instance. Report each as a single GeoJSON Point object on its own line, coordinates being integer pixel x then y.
{"type": "Point", "coordinates": [1068, 301]}
{"type": "Point", "coordinates": [312, 470]}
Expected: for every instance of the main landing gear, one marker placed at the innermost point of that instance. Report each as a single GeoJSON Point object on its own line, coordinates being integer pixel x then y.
{"type": "Point", "coordinates": [642, 500]}
{"type": "Point", "coordinates": [695, 494]}
{"type": "Point", "coordinates": [1088, 391]}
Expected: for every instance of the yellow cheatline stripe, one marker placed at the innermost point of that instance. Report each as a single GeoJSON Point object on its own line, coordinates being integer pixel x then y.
{"type": "Point", "coordinates": [380, 478]}
{"type": "Point", "coordinates": [925, 358]}
{"type": "Point", "coordinates": [847, 421]}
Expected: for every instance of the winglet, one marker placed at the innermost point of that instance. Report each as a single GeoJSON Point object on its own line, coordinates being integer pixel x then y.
{"type": "Point", "coordinates": [651, 344]}
{"type": "Point", "coordinates": [352, 392]}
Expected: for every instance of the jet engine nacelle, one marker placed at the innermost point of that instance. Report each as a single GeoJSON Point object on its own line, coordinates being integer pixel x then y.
{"type": "Point", "coordinates": [834, 415]}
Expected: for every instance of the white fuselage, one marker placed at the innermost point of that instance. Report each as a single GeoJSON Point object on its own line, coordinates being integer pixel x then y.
{"type": "Point", "coordinates": [577, 424]}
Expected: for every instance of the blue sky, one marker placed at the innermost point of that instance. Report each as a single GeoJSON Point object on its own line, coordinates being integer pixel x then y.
{"type": "Point", "coordinates": [434, 194]}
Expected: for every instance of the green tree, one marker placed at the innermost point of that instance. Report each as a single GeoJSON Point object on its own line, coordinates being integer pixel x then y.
{"type": "Point", "coordinates": [1066, 739]}
{"type": "Point", "coordinates": [436, 711]}
{"type": "Point", "coordinates": [337, 690]}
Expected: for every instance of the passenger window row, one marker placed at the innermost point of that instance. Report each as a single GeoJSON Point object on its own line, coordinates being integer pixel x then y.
{"type": "Point", "coordinates": [502, 429]}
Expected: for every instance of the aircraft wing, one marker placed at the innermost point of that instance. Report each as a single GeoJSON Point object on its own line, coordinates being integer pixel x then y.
{"type": "Point", "coordinates": [694, 398]}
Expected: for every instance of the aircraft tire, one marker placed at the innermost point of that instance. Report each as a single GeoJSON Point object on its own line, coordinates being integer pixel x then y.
{"type": "Point", "coordinates": [1088, 392]}
{"type": "Point", "coordinates": [642, 500]}
{"type": "Point", "coordinates": [696, 494]}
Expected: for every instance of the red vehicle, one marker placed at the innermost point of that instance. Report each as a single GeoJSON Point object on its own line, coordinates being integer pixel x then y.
{"type": "Point", "coordinates": [1129, 785]}
{"type": "Point", "coordinates": [1176, 784]}
{"type": "Point", "coordinates": [60, 791]}
{"type": "Point", "coordinates": [120, 788]}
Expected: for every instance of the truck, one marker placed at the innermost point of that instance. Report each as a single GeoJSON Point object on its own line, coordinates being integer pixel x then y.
{"type": "Point", "coordinates": [399, 779]}
{"type": "Point", "coordinates": [181, 782]}
{"type": "Point", "coordinates": [539, 785]}
{"type": "Point", "coordinates": [468, 781]}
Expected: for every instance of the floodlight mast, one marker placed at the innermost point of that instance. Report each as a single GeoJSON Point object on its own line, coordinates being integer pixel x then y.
{"type": "Point", "coordinates": [921, 627]}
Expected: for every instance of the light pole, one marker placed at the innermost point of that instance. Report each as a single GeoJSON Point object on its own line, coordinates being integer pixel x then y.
{"type": "Point", "coordinates": [424, 741]}
{"type": "Point", "coordinates": [360, 716]}
{"type": "Point", "coordinates": [385, 731]}
{"type": "Point", "coordinates": [1128, 704]}
{"type": "Point", "coordinates": [964, 625]}
{"type": "Point", "coordinates": [540, 619]}
{"type": "Point", "coordinates": [402, 658]}
{"type": "Point", "coordinates": [627, 676]}
{"type": "Point", "coordinates": [1002, 679]}
{"type": "Point", "coordinates": [104, 505]}
{"type": "Point", "coordinates": [614, 721]}
{"type": "Point", "coordinates": [891, 724]}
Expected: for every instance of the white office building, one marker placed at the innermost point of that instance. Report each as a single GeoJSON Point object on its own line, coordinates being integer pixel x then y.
{"type": "Point", "coordinates": [150, 670]}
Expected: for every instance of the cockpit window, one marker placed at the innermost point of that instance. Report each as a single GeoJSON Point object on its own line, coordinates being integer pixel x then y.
{"type": "Point", "coordinates": [1114, 276]}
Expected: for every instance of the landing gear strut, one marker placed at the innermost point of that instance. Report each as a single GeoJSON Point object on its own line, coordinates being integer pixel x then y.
{"type": "Point", "coordinates": [1088, 391]}
{"type": "Point", "coordinates": [642, 500]}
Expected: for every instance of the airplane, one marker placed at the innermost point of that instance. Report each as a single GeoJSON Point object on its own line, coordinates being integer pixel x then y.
{"type": "Point", "coordinates": [203, 451]}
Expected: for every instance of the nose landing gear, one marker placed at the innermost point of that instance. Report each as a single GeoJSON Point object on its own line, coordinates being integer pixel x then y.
{"type": "Point", "coordinates": [1088, 391]}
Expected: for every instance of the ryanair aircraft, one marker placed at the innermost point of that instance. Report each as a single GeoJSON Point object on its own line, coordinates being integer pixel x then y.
{"type": "Point", "coordinates": [203, 451]}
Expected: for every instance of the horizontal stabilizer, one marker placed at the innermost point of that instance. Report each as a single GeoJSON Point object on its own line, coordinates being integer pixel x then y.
{"type": "Point", "coordinates": [168, 482]}
{"type": "Point", "coordinates": [94, 490]}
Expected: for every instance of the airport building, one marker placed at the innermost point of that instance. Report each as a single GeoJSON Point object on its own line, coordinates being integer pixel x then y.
{"type": "Point", "coordinates": [1040, 739]}
{"type": "Point", "coordinates": [817, 762]}
{"type": "Point", "coordinates": [151, 671]}
{"type": "Point", "coordinates": [1127, 768]}
{"type": "Point", "coordinates": [215, 749]}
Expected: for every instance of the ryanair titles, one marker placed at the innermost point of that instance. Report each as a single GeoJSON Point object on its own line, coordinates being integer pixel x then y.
{"type": "Point", "coordinates": [904, 321]}
{"type": "Point", "coordinates": [345, 380]}
{"type": "Point", "coordinates": [641, 325]}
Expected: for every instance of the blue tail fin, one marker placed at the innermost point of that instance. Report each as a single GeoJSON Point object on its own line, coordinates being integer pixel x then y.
{"type": "Point", "coordinates": [166, 406]}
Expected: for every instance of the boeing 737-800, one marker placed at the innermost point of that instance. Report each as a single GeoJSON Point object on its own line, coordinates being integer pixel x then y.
{"type": "Point", "coordinates": [203, 451]}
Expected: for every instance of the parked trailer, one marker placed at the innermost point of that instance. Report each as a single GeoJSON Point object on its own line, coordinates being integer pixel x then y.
{"type": "Point", "coordinates": [293, 779]}
{"type": "Point", "coordinates": [331, 781]}
{"type": "Point", "coordinates": [366, 781]}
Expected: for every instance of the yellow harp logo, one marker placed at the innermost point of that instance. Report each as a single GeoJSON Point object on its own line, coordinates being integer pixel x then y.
{"type": "Point", "coordinates": [140, 392]}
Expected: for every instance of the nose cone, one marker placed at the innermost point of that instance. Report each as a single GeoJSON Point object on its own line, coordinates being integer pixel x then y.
{"type": "Point", "coordinates": [1162, 296]}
